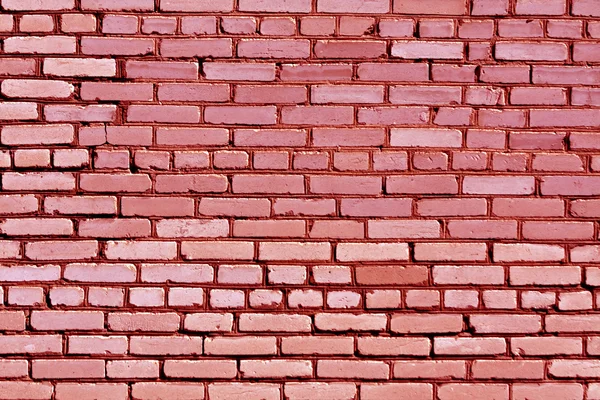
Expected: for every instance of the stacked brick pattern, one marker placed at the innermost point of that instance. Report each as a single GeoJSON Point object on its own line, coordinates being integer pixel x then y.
{"type": "Point", "coordinates": [300, 199]}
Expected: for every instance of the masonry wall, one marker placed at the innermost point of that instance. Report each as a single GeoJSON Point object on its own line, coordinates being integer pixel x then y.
{"type": "Point", "coordinates": [300, 199]}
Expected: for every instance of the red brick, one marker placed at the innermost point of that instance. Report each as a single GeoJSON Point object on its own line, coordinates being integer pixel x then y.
{"type": "Point", "coordinates": [348, 369]}
{"type": "Point", "coordinates": [564, 29]}
{"type": "Point", "coordinates": [528, 252]}
{"type": "Point", "coordinates": [327, 94]}
{"type": "Point", "coordinates": [425, 138]}
{"type": "Point", "coordinates": [138, 250]}
{"type": "Point", "coordinates": [413, 50]}
{"type": "Point", "coordinates": [316, 26]}
{"type": "Point", "coordinates": [274, 323]}
{"type": "Point", "coordinates": [508, 369]}
{"type": "Point", "coordinates": [315, 72]}
{"type": "Point", "coordinates": [456, 391]}
{"type": "Point", "coordinates": [452, 7]}
{"type": "Point", "coordinates": [533, 346]}
{"type": "Point", "coordinates": [531, 51]}
{"type": "Point", "coordinates": [270, 94]}
{"type": "Point", "coordinates": [273, 48]}
{"type": "Point", "coordinates": [294, 251]}
{"type": "Point", "coordinates": [542, 276]}
{"type": "Point", "coordinates": [400, 28]}
{"type": "Point", "coordinates": [239, 25]}
{"type": "Point", "coordinates": [376, 207]}
{"type": "Point", "coordinates": [538, 96]}
{"type": "Point", "coordinates": [483, 229]}
{"type": "Point", "coordinates": [239, 72]}
{"type": "Point", "coordinates": [18, 111]}
{"type": "Point", "coordinates": [241, 115]}
{"type": "Point", "coordinates": [217, 250]}
{"type": "Point", "coordinates": [200, 369]}
{"type": "Point", "coordinates": [586, 52]}
{"type": "Point", "coordinates": [146, 322]}
{"type": "Point", "coordinates": [297, 207]}
{"type": "Point", "coordinates": [116, 228]}
{"type": "Point", "coordinates": [16, 66]}
{"type": "Point", "coordinates": [24, 273]}
{"type": "Point", "coordinates": [157, 206]}
{"type": "Point", "coordinates": [505, 323]}
{"type": "Point", "coordinates": [469, 346]}
{"type": "Point", "coordinates": [88, 391]}
{"type": "Point", "coordinates": [276, 369]}
{"type": "Point", "coordinates": [67, 320]}
{"type": "Point", "coordinates": [544, 390]}
{"type": "Point", "coordinates": [450, 251]}
{"type": "Point", "coordinates": [97, 345]}
{"type": "Point", "coordinates": [563, 118]}
{"type": "Point", "coordinates": [570, 185]}
{"type": "Point", "coordinates": [192, 228]}
{"type": "Point", "coordinates": [320, 391]}
{"type": "Point", "coordinates": [393, 115]}
{"type": "Point", "coordinates": [404, 229]}
{"type": "Point", "coordinates": [452, 207]}
{"type": "Point", "coordinates": [162, 70]}
{"type": "Point", "coordinates": [523, 207]}
{"type": "Point", "coordinates": [317, 345]}
{"type": "Point", "coordinates": [338, 49]}
{"type": "Point", "coordinates": [36, 88]}
{"type": "Point", "coordinates": [383, 346]}
{"type": "Point", "coordinates": [585, 8]}
{"type": "Point", "coordinates": [430, 369]}
{"type": "Point", "coordinates": [40, 44]}
{"type": "Point", "coordinates": [394, 72]}
{"type": "Point", "coordinates": [132, 369]}
{"type": "Point", "coordinates": [345, 185]}
{"type": "Point", "coordinates": [468, 275]}
{"type": "Point", "coordinates": [191, 183]}
{"type": "Point", "coordinates": [273, 184]}
{"type": "Point", "coordinates": [558, 162]}
{"type": "Point", "coordinates": [117, 91]}
{"type": "Point", "coordinates": [196, 48]}
{"type": "Point", "coordinates": [424, 184]}
{"type": "Point", "coordinates": [159, 25]}
{"type": "Point", "coordinates": [337, 229]}
{"type": "Point", "coordinates": [163, 113]}
{"type": "Point", "coordinates": [276, 6]}
{"type": "Point", "coordinates": [187, 6]}
{"type": "Point", "coordinates": [397, 390]}
{"type": "Point", "coordinates": [225, 391]}
{"type": "Point", "coordinates": [371, 252]}
{"type": "Point", "coordinates": [209, 322]}
{"type": "Point", "coordinates": [52, 250]}
{"type": "Point", "coordinates": [186, 273]}
{"type": "Point", "coordinates": [557, 230]}
{"type": "Point", "coordinates": [538, 300]}
{"type": "Point", "coordinates": [435, 323]}
{"type": "Point", "coordinates": [505, 185]}
{"type": "Point", "coordinates": [168, 391]}
{"type": "Point", "coordinates": [247, 345]}
{"type": "Point", "coordinates": [382, 275]}
{"type": "Point", "coordinates": [350, 322]}
{"type": "Point", "coordinates": [46, 344]}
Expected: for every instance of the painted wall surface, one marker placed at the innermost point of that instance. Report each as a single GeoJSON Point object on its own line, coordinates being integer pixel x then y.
{"type": "Point", "coordinates": [300, 199]}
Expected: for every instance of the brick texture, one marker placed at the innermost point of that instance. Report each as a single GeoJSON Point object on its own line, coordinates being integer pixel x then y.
{"type": "Point", "coordinates": [300, 199]}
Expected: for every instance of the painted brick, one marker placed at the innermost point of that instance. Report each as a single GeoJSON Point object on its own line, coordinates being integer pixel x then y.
{"type": "Point", "coordinates": [299, 199]}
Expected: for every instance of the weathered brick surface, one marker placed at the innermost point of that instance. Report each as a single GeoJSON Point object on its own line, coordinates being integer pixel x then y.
{"type": "Point", "coordinates": [299, 199]}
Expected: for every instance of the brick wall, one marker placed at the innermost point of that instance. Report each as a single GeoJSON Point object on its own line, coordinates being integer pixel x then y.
{"type": "Point", "coordinates": [300, 199]}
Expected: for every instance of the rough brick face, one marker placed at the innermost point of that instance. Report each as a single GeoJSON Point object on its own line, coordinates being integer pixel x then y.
{"type": "Point", "coordinates": [300, 199]}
